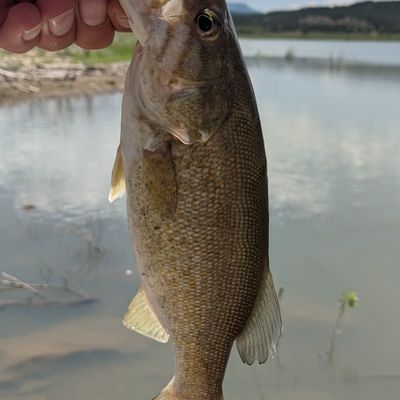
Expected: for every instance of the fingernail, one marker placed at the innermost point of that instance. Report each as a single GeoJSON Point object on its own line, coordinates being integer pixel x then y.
{"type": "Point", "coordinates": [62, 23]}
{"type": "Point", "coordinates": [31, 34]}
{"type": "Point", "coordinates": [122, 20]}
{"type": "Point", "coordinates": [93, 14]}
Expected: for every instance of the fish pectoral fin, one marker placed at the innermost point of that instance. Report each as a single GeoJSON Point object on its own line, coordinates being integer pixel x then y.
{"type": "Point", "coordinates": [118, 186]}
{"type": "Point", "coordinates": [260, 337]}
{"type": "Point", "coordinates": [141, 318]}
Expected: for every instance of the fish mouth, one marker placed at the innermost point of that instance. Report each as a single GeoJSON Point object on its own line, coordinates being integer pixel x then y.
{"type": "Point", "coordinates": [139, 12]}
{"type": "Point", "coordinates": [174, 86]}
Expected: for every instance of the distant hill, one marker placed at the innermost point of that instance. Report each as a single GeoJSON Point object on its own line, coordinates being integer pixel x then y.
{"type": "Point", "coordinates": [367, 17]}
{"type": "Point", "coordinates": [241, 8]}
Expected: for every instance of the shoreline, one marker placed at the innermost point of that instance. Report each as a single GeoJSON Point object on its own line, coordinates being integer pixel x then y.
{"type": "Point", "coordinates": [59, 80]}
{"type": "Point", "coordinates": [295, 35]}
{"type": "Point", "coordinates": [51, 81]}
{"type": "Point", "coordinates": [38, 75]}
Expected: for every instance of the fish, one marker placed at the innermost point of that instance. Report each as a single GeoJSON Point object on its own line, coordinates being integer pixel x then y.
{"type": "Point", "coordinates": [192, 161]}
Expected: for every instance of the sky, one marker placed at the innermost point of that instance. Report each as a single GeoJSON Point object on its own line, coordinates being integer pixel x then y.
{"type": "Point", "coordinates": [268, 5]}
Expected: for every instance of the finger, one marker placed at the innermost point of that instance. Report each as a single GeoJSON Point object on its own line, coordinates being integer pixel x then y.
{"type": "Point", "coordinates": [118, 17]}
{"type": "Point", "coordinates": [21, 29]}
{"type": "Point", "coordinates": [94, 28]}
{"type": "Point", "coordinates": [3, 11]}
{"type": "Point", "coordinates": [58, 17]}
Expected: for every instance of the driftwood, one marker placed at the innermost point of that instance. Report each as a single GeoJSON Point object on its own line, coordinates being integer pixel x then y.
{"type": "Point", "coordinates": [45, 72]}
{"type": "Point", "coordinates": [37, 296]}
{"type": "Point", "coordinates": [24, 88]}
{"type": "Point", "coordinates": [8, 75]}
{"type": "Point", "coordinates": [40, 74]}
{"type": "Point", "coordinates": [62, 66]}
{"type": "Point", "coordinates": [47, 303]}
{"type": "Point", "coordinates": [59, 72]}
{"type": "Point", "coordinates": [39, 80]}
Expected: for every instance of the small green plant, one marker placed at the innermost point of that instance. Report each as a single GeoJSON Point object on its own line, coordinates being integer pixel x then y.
{"type": "Point", "coordinates": [347, 301]}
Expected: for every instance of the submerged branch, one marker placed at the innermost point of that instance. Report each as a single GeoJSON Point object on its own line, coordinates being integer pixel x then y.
{"type": "Point", "coordinates": [10, 281]}
{"type": "Point", "coordinates": [47, 303]}
{"type": "Point", "coordinates": [39, 299]}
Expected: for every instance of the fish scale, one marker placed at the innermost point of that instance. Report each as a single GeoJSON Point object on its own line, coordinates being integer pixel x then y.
{"type": "Point", "coordinates": [196, 180]}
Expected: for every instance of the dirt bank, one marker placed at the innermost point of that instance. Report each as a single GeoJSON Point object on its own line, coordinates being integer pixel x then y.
{"type": "Point", "coordinates": [31, 77]}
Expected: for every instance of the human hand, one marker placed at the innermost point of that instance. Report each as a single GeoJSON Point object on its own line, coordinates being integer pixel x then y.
{"type": "Point", "coordinates": [56, 24]}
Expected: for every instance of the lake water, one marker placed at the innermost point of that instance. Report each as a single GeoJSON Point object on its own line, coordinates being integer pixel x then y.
{"type": "Point", "coordinates": [345, 52]}
{"type": "Point", "coordinates": [333, 143]}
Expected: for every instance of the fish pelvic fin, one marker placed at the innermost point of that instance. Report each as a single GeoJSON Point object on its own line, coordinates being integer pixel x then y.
{"type": "Point", "coordinates": [259, 339]}
{"type": "Point", "coordinates": [169, 393]}
{"type": "Point", "coordinates": [118, 186]}
{"type": "Point", "coordinates": [141, 318]}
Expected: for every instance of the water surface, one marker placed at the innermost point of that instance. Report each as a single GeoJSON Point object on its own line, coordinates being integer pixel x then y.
{"type": "Point", "coordinates": [347, 52]}
{"type": "Point", "coordinates": [333, 146]}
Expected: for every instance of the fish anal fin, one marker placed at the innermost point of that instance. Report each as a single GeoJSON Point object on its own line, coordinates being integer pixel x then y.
{"type": "Point", "coordinates": [118, 187]}
{"type": "Point", "coordinates": [259, 339]}
{"type": "Point", "coordinates": [141, 318]}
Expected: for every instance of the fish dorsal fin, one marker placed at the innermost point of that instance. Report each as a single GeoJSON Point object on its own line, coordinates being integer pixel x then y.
{"type": "Point", "coordinates": [141, 318]}
{"type": "Point", "coordinates": [261, 334]}
{"type": "Point", "coordinates": [118, 178]}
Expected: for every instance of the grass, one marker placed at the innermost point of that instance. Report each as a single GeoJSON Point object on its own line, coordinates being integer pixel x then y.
{"type": "Point", "coordinates": [121, 50]}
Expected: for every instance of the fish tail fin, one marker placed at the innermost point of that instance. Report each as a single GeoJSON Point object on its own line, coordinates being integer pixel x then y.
{"type": "Point", "coordinates": [169, 393]}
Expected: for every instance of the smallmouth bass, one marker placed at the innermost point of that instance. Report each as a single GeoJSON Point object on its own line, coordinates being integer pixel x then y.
{"type": "Point", "coordinates": [192, 161]}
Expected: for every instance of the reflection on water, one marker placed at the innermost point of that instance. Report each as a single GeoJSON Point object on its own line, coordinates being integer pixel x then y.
{"type": "Point", "coordinates": [322, 126]}
{"type": "Point", "coordinates": [65, 148]}
{"type": "Point", "coordinates": [333, 147]}
{"type": "Point", "coordinates": [347, 52]}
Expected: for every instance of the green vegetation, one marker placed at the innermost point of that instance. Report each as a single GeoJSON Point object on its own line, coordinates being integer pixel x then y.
{"type": "Point", "coordinates": [347, 301]}
{"type": "Point", "coordinates": [361, 21]}
{"type": "Point", "coordinates": [367, 20]}
{"type": "Point", "coordinates": [376, 21]}
{"type": "Point", "coordinates": [121, 50]}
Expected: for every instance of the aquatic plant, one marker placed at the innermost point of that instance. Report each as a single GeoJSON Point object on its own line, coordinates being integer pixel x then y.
{"type": "Point", "coordinates": [347, 301]}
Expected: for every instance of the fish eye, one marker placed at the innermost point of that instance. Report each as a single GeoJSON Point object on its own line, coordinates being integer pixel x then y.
{"type": "Point", "coordinates": [207, 23]}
